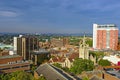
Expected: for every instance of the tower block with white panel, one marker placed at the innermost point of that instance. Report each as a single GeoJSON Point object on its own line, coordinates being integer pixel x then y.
{"type": "Point", "coordinates": [105, 36]}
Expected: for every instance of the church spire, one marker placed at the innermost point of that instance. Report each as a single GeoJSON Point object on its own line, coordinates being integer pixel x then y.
{"type": "Point", "coordinates": [84, 39]}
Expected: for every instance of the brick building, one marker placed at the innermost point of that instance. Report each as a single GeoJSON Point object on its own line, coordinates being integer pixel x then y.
{"type": "Point", "coordinates": [24, 45]}
{"type": "Point", "coordinates": [105, 36]}
{"type": "Point", "coordinates": [12, 63]}
{"type": "Point", "coordinates": [59, 42]}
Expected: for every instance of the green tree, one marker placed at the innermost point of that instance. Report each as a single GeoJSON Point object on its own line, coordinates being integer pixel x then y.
{"type": "Point", "coordinates": [97, 54]}
{"type": "Point", "coordinates": [85, 78]}
{"type": "Point", "coordinates": [24, 76]}
{"type": "Point", "coordinates": [5, 77]}
{"type": "Point", "coordinates": [80, 65]}
{"type": "Point", "coordinates": [33, 67]}
{"type": "Point", "coordinates": [89, 42]}
{"type": "Point", "coordinates": [104, 62]}
{"type": "Point", "coordinates": [19, 75]}
{"type": "Point", "coordinates": [57, 65]}
{"type": "Point", "coordinates": [42, 78]}
{"type": "Point", "coordinates": [13, 78]}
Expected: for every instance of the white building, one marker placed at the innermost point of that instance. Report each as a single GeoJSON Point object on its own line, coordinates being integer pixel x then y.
{"type": "Point", "coordinates": [15, 43]}
{"type": "Point", "coordinates": [84, 50]}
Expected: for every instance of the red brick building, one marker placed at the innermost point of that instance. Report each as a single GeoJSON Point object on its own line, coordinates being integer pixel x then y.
{"type": "Point", "coordinates": [105, 36]}
{"type": "Point", "coordinates": [12, 63]}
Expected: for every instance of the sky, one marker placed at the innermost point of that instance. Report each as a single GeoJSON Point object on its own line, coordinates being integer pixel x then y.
{"type": "Point", "coordinates": [57, 16]}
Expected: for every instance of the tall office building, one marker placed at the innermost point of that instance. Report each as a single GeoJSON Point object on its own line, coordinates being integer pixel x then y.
{"type": "Point", "coordinates": [24, 45]}
{"type": "Point", "coordinates": [105, 36]}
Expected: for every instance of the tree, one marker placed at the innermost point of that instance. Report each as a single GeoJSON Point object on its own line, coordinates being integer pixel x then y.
{"type": "Point", "coordinates": [104, 62]}
{"type": "Point", "coordinates": [19, 75]}
{"type": "Point", "coordinates": [80, 65]}
{"type": "Point", "coordinates": [24, 76]}
{"type": "Point", "coordinates": [97, 54]}
{"type": "Point", "coordinates": [85, 78]}
{"type": "Point", "coordinates": [57, 65]}
{"type": "Point", "coordinates": [89, 42]}
{"type": "Point", "coordinates": [42, 78]}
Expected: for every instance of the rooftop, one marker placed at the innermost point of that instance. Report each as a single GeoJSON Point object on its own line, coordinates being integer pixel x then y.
{"type": "Point", "coordinates": [94, 77]}
{"type": "Point", "coordinates": [114, 73]}
{"type": "Point", "coordinates": [114, 59]}
{"type": "Point", "coordinates": [40, 51]}
{"type": "Point", "coordinates": [9, 56]}
{"type": "Point", "coordinates": [106, 25]}
{"type": "Point", "coordinates": [52, 73]}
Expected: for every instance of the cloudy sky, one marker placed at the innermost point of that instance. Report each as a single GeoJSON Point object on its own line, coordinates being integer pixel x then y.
{"type": "Point", "coordinates": [57, 16]}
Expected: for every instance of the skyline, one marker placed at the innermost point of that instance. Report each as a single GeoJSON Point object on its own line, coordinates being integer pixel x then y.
{"type": "Point", "coordinates": [57, 16]}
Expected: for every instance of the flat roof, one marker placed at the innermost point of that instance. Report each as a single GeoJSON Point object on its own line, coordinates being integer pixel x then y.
{"type": "Point", "coordinates": [9, 56]}
{"type": "Point", "coordinates": [114, 73]}
{"type": "Point", "coordinates": [41, 51]}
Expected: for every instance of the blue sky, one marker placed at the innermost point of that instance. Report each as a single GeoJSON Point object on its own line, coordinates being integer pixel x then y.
{"type": "Point", "coordinates": [57, 16]}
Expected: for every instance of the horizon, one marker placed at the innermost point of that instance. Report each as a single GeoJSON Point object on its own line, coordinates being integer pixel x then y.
{"type": "Point", "coordinates": [57, 16]}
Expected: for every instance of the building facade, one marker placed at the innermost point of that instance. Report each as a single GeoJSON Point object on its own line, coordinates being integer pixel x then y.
{"type": "Point", "coordinates": [24, 45]}
{"type": "Point", "coordinates": [39, 56]}
{"type": "Point", "coordinates": [84, 50]}
{"type": "Point", "coordinates": [12, 63]}
{"type": "Point", "coordinates": [59, 42]}
{"type": "Point", "coordinates": [105, 36]}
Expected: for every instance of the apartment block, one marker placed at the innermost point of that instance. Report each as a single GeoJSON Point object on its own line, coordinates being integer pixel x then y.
{"type": "Point", "coordinates": [105, 36]}
{"type": "Point", "coordinates": [24, 45]}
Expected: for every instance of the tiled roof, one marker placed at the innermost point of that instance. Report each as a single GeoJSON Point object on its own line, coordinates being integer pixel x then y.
{"type": "Point", "coordinates": [57, 59]}
{"type": "Point", "coordinates": [94, 77]}
{"type": "Point", "coordinates": [74, 55]}
{"type": "Point", "coordinates": [51, 73]}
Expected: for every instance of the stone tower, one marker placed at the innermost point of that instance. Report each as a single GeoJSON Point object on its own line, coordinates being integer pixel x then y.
{"type": "Point", "coordinates": [83, 49]}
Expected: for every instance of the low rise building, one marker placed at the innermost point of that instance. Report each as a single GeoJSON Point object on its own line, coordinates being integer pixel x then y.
{"type": "Point", "coordinates": [51, 72]}
{"type": "Point", "coordinates": [65, 61]}
{"type": "Point", "coordinates": [59, 42]}
{"type": "Point", "coordinates": [39, 56]}
{"type": "Point", "coordinates": [12, 63]}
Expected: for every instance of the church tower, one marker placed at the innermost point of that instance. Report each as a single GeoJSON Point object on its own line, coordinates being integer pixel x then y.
{"type": "Point", "coordinates": [83, 49]}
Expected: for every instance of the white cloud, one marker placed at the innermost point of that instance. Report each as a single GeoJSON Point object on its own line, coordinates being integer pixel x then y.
{"type": "Point", "coordinates": [8, 14]}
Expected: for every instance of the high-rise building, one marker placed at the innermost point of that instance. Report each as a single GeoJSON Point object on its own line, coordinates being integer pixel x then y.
{"type": "Point", "coordinates": [24, 45]}
{"type": "Point", "coordinates": [105, 36]}
{"type": "Point", "coordinates": [15, 43]}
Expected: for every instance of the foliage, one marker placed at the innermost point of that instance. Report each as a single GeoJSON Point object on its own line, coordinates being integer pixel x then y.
{"type": "Point", "coordinates": [74, 41]}
{"type": "Point", "coordinates": [66, 69]}
{"type": "Point", "coordinates": [80, 65]}
{"type": "Point", "coordinates": [42, 78]}
{"type": "Point", "coordinates": [33, 67]}
{"type": "Point", "coordinates": [6, 39]}
{"type": "Point", "coordinates": [97, 54]}
{"type": "Point", "coordinates": [85, 78]}
{"type": "Point", "coordinates": [89, 42]}
{"type": "Point", "coordinates": [19, 75]}
{"type": "Point", "coordinates": [104, 62]}
{"type": "Point", "coordinates": [57, 65]}
{"type": "Point", "coordinates": [63, 68]}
